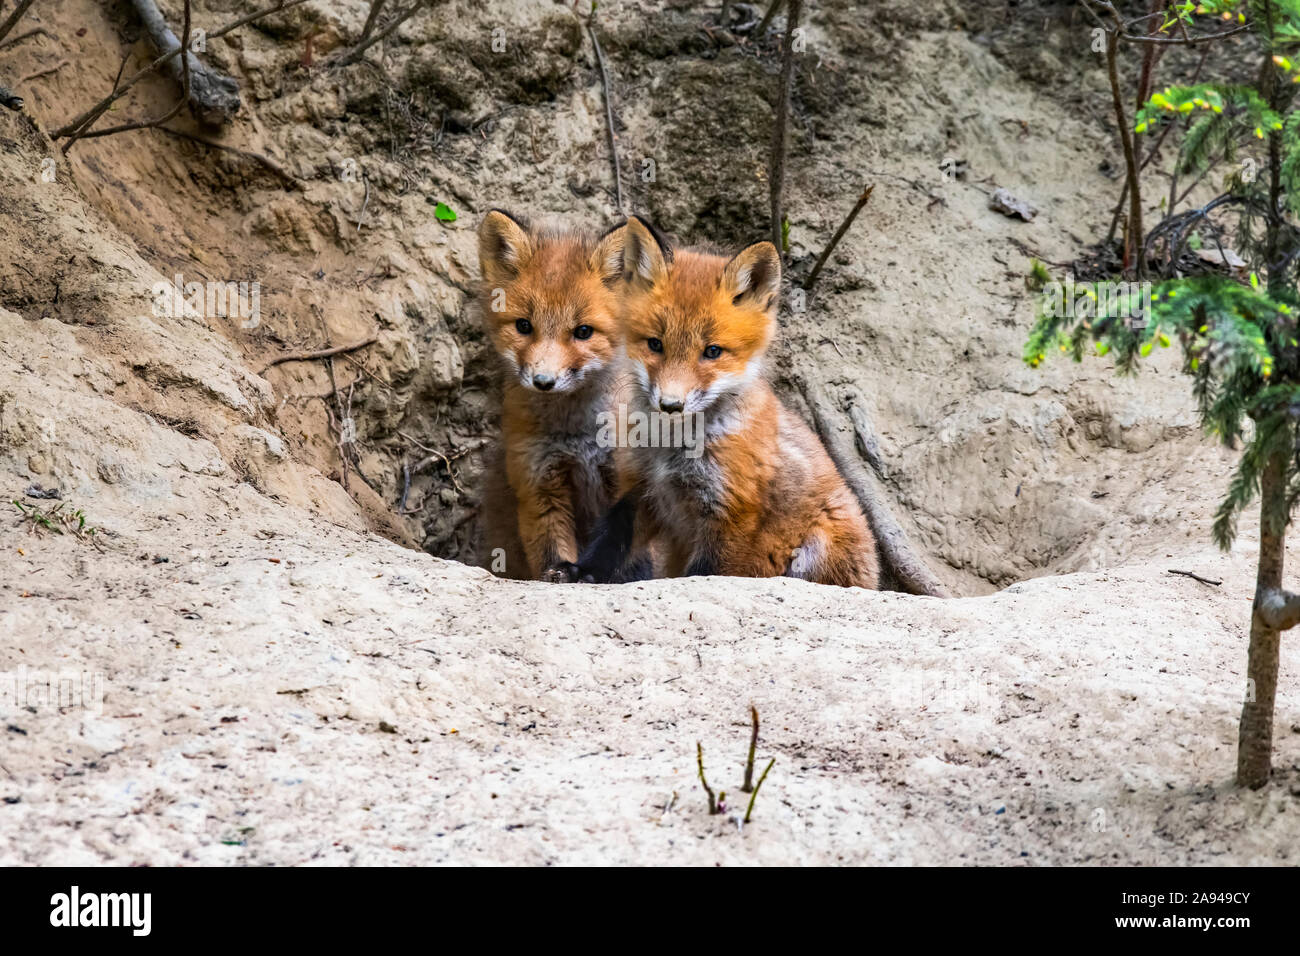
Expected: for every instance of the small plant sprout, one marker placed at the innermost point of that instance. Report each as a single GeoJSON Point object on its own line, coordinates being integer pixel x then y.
{"type": "Point", "coordinates": [754, 796]}
{"type": "Point", "coordinates": [1038, 276]}
{"type": "Point", "coordinates": [748, 785]}
{"type": "Point", "coordinates": [716, 804]}
{"type": "Point", "coordinates": [57, 521]}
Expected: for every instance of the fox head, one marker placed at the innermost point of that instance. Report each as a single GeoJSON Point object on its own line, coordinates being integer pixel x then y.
{"type": "Point", "coordinates": [696, 325]}
{"type": "Point", "coordinates": [550, 311]}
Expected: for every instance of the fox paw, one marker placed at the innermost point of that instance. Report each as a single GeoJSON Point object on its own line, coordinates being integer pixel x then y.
{"type": "Point", "coordinates": [566, 572]}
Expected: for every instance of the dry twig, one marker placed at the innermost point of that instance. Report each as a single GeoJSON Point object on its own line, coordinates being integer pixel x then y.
{"type": "Point", "coordinates": [1196, 577]}
{"type": "Point", "coordinates": [45, 72]}
{"type": "Point", "coordinates": [835, 239]}
{"type": "Point", "coordinates": [767, 18]}
{"type": "Point", "coordinates": [120, 89]}
{"type": "Point", "coordinates": [776, 167]}
{"type": "Point", "coordinates": [308, 356]}
{"type": "Point", "coordinates": [355, 54]}
{"type": "Point", "coordinates": [609, 114]}
{"type": "Point", "coordinates": [12, 20]}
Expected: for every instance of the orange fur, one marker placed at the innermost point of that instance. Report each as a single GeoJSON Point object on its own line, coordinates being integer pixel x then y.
{"type": "Point", "coordinates": [551, 317]}
{"type": "Point", "coordinates": [764, 499]}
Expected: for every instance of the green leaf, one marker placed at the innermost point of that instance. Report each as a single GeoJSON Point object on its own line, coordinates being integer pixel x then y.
{"type": "Point", "coordinates": [444, 212]}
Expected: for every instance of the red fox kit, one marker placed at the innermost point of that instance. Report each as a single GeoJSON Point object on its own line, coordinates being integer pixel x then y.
{"type": "Point", "coordinates": [551, 317]}
{"type": "Point", "coordinates": [764, 498]}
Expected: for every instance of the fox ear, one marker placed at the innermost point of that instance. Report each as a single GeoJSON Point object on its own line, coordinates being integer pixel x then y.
{"type": "Point", "coordinates": [607, 257]}
{"type": "Point", "coordinates": [646, 253]}
{"type": "Point", "coordinates": [504, 247]}
{"type": "Point", "coordinates": [753, 276]}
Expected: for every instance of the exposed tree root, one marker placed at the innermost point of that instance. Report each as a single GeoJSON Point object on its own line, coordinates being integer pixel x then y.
{"type": "Point", "coordinates": [909, 570]}
{"type": "Point", "coordinates": [213, 96]}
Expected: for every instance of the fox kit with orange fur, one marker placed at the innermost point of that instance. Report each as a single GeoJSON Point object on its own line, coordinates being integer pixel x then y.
{"type": "Point", "coordinates": [763, 498]}
{"type": "Point", "coordinates": [551, 317]}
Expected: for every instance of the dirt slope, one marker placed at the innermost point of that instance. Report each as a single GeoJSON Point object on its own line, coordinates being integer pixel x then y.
{"type": "Point", "coordinates": [901, 726]}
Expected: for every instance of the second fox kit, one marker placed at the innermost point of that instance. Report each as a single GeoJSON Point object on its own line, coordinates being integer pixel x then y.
{"type": "Point", "coordinates": [764, 499]}
{"type": "Point", "coordinates": [551, 317]}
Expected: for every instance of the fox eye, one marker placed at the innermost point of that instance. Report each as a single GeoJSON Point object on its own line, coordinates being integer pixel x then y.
{"type": "Point", "coordinates": [583, 332]}
{"type": "Point", "coordinates": [655, 345]}
{"type": "Point", "coordinates": [523, 327]}
{"type": "Point", "coordinates": [713, 351]}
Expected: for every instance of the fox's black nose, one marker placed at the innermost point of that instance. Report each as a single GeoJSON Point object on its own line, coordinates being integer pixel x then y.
{"type": "Point", "coordinates": [671, 404]}
{"type": "Point", "coordinates": [544, 382]}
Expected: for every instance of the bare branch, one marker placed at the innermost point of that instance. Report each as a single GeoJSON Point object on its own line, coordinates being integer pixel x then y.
{"type": "Point", "coordinates": [767, 18]}
{"type": "Point", "coordinates": [98, 110]}
{"type": "Point", "coordinates": [12, 20]}
{"type": "Point", "coordinates": [1185, 41]}
{"type": "Point", "coordinates": [609, 115]}
{"type": "Point", "coordinates": [776, 167]}
{"type": "Point", "coordinates": [185, 78]}
{"type": "Point", "coordinates": [839, 234]}
{"type": "Point", "coordinates": [1195, 577]}
{"type": "Point", "coordinates": [376, 7]}
{"type": "Point", "coordinates": [353, 55]}
{"type": "Point", "coordinates": [320, 353]}
{"type": "Point", "coordinates": [213, 96]}
{"type": "Point", "coordinates": [1134, 236]}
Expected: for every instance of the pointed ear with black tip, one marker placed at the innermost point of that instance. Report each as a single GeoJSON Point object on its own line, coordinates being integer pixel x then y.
{"type": "Point", "coordinates": [504, 247]}
{"type": "Point", "coordinates": [646, 253]}
{"type": "Point", "coordinates": [607, 257]}
{"type": "Point", "coordinates": [753, 277]}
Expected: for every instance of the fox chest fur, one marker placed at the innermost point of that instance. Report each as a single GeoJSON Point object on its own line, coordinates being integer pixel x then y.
{"type": "Point", "coordinates": [553, 448]}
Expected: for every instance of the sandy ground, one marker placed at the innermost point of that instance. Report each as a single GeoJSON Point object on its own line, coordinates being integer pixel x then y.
{"type": "Point", "coordinates": [328, 698]}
